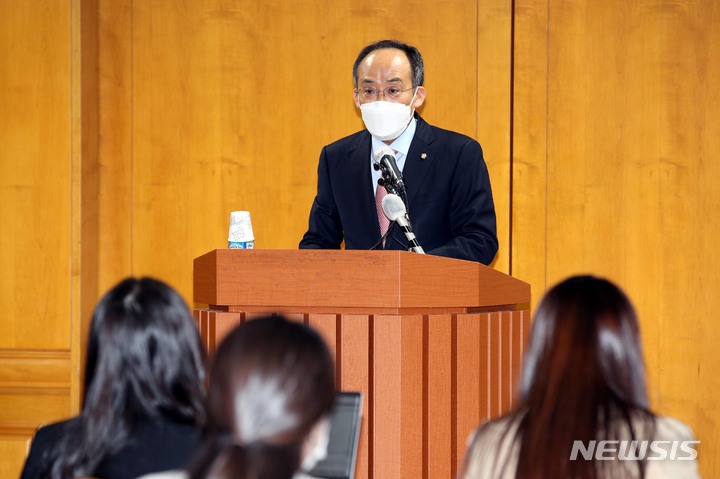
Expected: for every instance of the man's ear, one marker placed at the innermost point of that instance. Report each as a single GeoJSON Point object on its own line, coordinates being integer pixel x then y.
{"type": "Point", "coordinates": [419, 97]}
{"type": "Point", "coordinates": [356, 98]}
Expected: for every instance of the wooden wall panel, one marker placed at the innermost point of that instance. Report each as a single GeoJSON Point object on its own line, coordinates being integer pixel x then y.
{"type": "Point", "coordinates": [114, 165]}
{"type": "Point", "coordinates": [36, 406]}
{"type": "Point", "coordinates": [35, 389]}
{"type": "Point", "coordinates": [493, 90]}
{"type": "Point", "coordinates": [39, 169]}
{"type": "Point", "coordinates": [13, 450]}
{"type": "Point", "coordinates": [681, 326]}
{"type": "Point", "coordinates": [626, 176]}
{"type": "Point", "coordinates": [35, 186]}
{"type": "Point", "coordinates": [529, 145]}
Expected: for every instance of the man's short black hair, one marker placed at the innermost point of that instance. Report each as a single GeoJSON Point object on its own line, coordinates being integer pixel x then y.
{"type": "Point", "coordinates": [413, 54]}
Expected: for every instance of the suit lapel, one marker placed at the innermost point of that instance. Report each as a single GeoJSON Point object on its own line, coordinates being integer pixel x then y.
{"type": "Point", "coordinates": [362, 188]}
{"type": "Point", "coordinates": [421, 156]}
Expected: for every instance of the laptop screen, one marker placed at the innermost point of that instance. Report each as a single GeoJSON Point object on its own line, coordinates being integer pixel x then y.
{"type": "Point", "coordinates": [344, 438]}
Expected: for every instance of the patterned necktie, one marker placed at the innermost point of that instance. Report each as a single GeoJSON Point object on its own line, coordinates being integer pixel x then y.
{"type": "Point", "coordinates": [383, 220]}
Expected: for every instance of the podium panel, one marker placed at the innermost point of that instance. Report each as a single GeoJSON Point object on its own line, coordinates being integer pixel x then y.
{"type": "Point", "coordinates": [432, 358]}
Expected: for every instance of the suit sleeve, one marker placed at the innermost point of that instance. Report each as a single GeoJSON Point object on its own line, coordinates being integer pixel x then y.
{"type": "Point", "coordinates": [324, 226]}
{"type": "Point", "coordinates": [472, 210]}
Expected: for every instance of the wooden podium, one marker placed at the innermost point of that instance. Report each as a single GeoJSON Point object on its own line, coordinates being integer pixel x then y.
{"type": "Point", "coordinates": [433, 343]}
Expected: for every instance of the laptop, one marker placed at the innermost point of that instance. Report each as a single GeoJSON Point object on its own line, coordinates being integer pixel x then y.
{"type": "Point", "coordinates": [344, 438]}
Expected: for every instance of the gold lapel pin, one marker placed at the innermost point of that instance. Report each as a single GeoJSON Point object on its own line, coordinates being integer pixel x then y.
{"type": "Point", "coordinates": [423, 155]}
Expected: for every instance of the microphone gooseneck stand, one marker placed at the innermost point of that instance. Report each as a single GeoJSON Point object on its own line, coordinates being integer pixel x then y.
{"type": "Point", "coordinates": [399, 213]}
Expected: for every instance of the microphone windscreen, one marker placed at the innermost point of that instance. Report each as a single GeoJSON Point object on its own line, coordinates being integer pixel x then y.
{"type": "Point", "coordinates": [393, 207]}
{"type": "Point", "coordinates": [386, 150]}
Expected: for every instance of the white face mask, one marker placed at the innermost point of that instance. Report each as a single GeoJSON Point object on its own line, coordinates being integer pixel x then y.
{"type": "Point", "coordinates": [316, 444]}
{"type": "Point", "coordinates": [386, 120]}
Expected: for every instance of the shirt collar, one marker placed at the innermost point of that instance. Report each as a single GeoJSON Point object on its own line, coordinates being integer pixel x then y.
{"type": "Point", "coordinates": [401, 144]}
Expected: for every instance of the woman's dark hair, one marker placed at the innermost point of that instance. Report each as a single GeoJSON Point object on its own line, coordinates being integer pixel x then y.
{"type": "Point", "coordinates": [145, 361]}
{"type": "Point", "coordinates": [271, 381]}
{"type": "Point", "coordinates": [417, 68]}
{"type": "Point", "coordinates": [583, 379]}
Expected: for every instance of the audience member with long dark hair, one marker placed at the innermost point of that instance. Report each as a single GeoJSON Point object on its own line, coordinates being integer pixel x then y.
{"type": "Point", "coordinates": [583, 380]}
{"type": "Point", "coordinates": [270, 395]}
{"type": "Point", "coordinates": [143, 405]}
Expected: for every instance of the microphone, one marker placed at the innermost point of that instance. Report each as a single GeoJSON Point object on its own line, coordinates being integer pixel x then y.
{"type": "Point", "coordinates": [387, 159]}
{"type": "Point", "coordinates": [394, 209]}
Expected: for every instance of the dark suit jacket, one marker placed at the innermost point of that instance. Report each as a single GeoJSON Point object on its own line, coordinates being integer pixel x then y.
{"type": "Point", "coordinates": [448, 188]}
{"type": "Point", "coordinates": [155, 446]}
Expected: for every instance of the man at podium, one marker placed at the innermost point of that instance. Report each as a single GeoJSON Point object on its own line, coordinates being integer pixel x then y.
{"type": "Point", "coordinates": [446, 183]}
